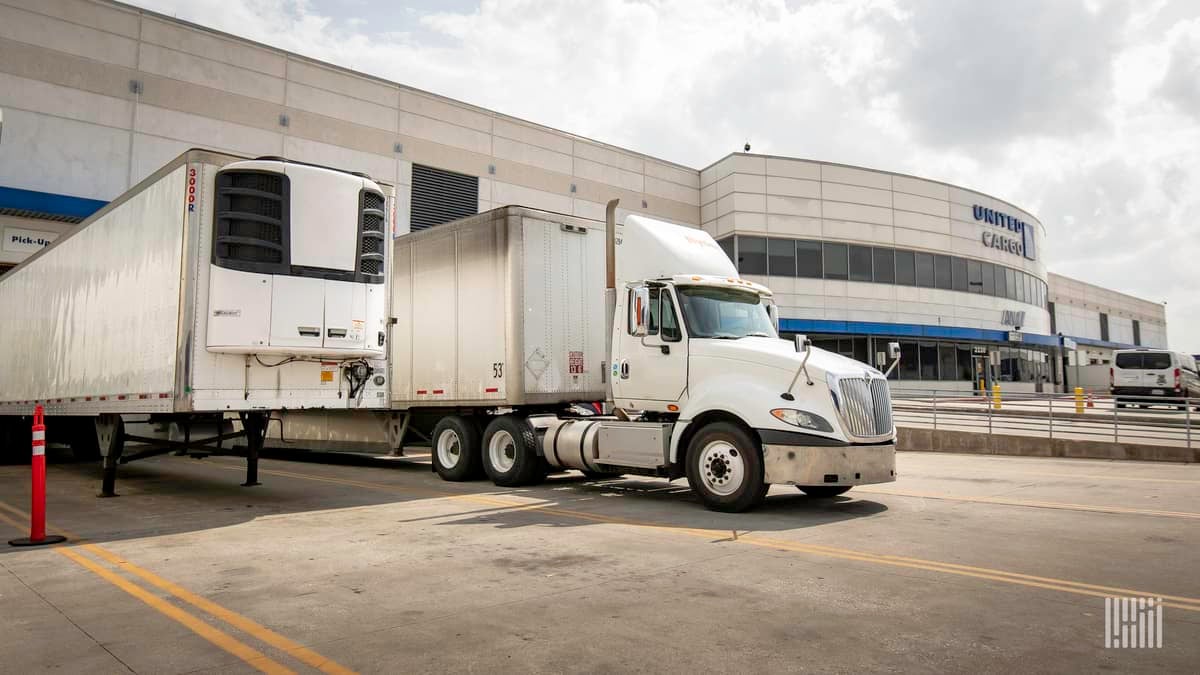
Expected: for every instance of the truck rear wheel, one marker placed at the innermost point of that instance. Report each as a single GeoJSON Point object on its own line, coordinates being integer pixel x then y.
{"type": "Point", "coordinates": [455, 449]}
{"type": "Point", "coordinates": [823, 491]}
{"type": "Point", "coordinates": [510, 452]}
{"type": "Point", "coordinates": [725, 469]}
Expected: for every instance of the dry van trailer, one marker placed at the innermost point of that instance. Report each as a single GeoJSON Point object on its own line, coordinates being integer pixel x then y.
{"type": "Point", "coordinates": [219, 286]}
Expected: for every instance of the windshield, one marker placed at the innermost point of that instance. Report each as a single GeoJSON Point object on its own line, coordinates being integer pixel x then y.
{"type": "Point", "coordinates": [724, 313]}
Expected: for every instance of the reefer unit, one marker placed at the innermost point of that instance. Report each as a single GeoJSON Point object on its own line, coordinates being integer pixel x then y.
{"type": "Point", "coordinates": [502, 308]}
{"type": "Point", "coordinates": [216, 284]}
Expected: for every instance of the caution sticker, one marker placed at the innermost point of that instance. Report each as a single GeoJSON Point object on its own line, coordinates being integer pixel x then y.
{"type": "Point", "coordinates": [328, 370]}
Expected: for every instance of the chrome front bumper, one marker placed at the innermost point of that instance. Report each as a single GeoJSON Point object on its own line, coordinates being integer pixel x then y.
{"type": "Point", "coordinates": [811, 465]}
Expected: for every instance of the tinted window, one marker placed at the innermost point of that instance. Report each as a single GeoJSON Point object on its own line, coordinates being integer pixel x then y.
{"type": "Point", "coordinates": [726, 245]}
{"type": "Point", "coordinates": [974, 276]}
{"type": "Point", "coordinates": [959, 268]}
{"type": "Point", "coordinates": [860, 263]}
{"type": "Point", "coordinates": [1104, 327]}
{"type": "Point", "coordinates": [885, 266]}
{"type": "Point", "coordinates": [808, 259]}
{"type": "Point", "coordinates": [906, 272]}
{"type": "Point", "coordinates": [752, 255]}
{"type": "Point", "coordinates": [989, 278]}
{"type": "Point", "coordinates": [835, 261]}
{"type": "Point", "coordinates": [670, 322]}
{"type": "Point", "coordinates": [1137, 332]}
{"type": "Point", "coordinates": [909, 361]}
{"type": "Point", "coordinates": [924, 270]}
{"type": "Point", "coordinates": [929, 361]}
{"type": "Point", "coordinates": [1022, 286]}
{"type": "Point", "coordinates": [948, 361]}
{"type": "Point", "coordinates": [1129, 361]}
{"type": "Point", "coordinates": [1010, 284]}
{"type": "Point", "coordinates": [966, 365]}
{"type": "Point", "coordinates": [941, 272]}
{"type": "Point", "coordinates": [781, 257]}
{"type": "Point", "coordinates": [1156, 361]}
{"type": "Point", "coordinates": [1001, 282]}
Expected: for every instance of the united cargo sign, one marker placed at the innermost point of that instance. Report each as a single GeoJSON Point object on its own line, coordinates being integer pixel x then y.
{"type": "Point", "coordinates": [1011, 235]}
{"type": "Point", "coordinates": [18, 240]}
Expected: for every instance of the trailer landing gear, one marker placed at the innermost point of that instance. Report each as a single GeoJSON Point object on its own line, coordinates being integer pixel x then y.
{"type": "Point", "coordinates": [255, 426]}
{"type": "Point", "coordinates": [110, 434]}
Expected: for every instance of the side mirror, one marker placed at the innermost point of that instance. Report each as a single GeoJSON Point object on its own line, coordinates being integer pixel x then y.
{"type": "Point", "coordinates": [801, 342]}
{"type": "Point", "coordinates": [893, 350]}
{"type": "Point", "coordinates": [639, 311]}
{"type": "Point", "coordinates": [773, 312]}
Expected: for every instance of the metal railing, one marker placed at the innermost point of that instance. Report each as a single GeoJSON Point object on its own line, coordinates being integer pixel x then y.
{"type": "Point", "coordinates": [1154, 420]}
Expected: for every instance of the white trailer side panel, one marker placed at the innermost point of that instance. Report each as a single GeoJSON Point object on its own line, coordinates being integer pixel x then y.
{"type": "Point", "coordinates": [114, 328]}
{"type": "Point", "coordinates": [502, 308]}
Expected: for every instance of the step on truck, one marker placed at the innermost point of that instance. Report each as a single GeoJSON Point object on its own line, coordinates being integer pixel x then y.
{"type": "Point", "coordinates": [527, 342]}
{"type": "Point", "coordinates": [219, 290]}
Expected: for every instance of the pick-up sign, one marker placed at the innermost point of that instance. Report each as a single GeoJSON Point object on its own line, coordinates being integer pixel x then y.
{"type": "Point", "coordinates": [19, 240]}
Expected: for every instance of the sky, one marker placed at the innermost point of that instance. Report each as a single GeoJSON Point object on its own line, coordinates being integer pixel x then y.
{"type": "Point", "coordinates": [1085, 113]}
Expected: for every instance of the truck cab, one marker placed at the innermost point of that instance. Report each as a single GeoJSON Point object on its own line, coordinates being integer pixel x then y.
{"type": "Point", "coordinates": [747, 409]}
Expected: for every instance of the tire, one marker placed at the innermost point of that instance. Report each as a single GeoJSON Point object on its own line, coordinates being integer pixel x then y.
{"type": "Point", "coordinates": [823, 491]}
{"type": "Point", "coordinates": [725, 468]}
{"type": "Point", "coordinates": [600, 475]}
{"type": "Point", "coordinates": [454, 448]}
{"type": "Point", "coordinates": [509, 453]}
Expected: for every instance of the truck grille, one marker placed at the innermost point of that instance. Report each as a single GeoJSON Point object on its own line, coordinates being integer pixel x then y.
{"type": "Point", "coordinates": [372, 237]}
{"type": "Point", "coordinates": [866, 407]}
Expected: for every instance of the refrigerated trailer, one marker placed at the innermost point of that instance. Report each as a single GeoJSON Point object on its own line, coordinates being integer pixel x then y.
{"type": "Point", "coordinates": [220, 288]}
{"type": "Point", "coordinates": [527, 341]}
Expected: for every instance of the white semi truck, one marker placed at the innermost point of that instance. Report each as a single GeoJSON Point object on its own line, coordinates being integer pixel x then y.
{"type": "Point", "coordinates": [218, 286]}
{"type": "Point", "coordinates": [507, 321]}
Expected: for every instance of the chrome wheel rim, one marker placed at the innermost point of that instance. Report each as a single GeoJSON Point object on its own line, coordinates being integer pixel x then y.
{"type": "Point", "coordinates": [449, 449]}
{"type": "Point", "coordinates": [722, 468]}
{"type": "Point", "coordinates": [502, 451]}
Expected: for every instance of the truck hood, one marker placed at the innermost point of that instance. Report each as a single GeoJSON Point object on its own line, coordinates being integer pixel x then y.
{"type": "Point", "coordinates": [781, 354]}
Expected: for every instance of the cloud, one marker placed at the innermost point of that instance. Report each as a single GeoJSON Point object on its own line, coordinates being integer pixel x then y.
{"type": "Point", "coordinates": [1083, 112]}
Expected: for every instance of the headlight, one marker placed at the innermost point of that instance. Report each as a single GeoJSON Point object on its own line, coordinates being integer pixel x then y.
{"type": "Point", "coordinates": [799, 418]}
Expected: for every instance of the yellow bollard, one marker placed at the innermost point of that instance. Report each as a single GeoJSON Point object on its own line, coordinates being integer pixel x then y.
{"type": "Point", "coordinates": [996, 396]}
{"type": "Point", "coordinates": [1079, 400]}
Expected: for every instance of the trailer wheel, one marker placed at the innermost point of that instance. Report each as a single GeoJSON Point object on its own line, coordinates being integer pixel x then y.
{"type": "Point", "coordinates": [725, 469]}
{"type": "Point", "coordinates": [455, 449]}
{"type": "Point", "coordinates": [823, 491]}
{"type": "Point", "coordinates": [510, 452]}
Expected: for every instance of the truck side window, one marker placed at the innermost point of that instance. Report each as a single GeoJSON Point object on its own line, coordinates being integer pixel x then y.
{"type": "Point", "coordinates": [655, 294]}
{"type": "Point", "coordinates": [670, 322]}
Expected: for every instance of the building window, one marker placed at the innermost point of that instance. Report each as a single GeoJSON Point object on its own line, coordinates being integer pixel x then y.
{"type": "Point", "coordinates": [910, 361]}
{"type": "Point", "coordinates": [948, 362]}
{"type": "Point", "coordinates": [906, 273]}
{"type": "Point", "coordinates": [958, 268]}
{"type": "Point", "coordinates": [1053, 321]}
{"type": "Point", "coordinates": [1001, 281]}
{"type": "Point", "coordinates": [808, 259]}
{"type": "Point", "coordinates": [974, 276]}
{"type": "Point", "coordinates": [1137, 333]}
{"type": "Point", "coordinates": [726, 245]}
{"type": "Point", "coordinates": [924, 269]}
{"type": "Point", "coordinates": [835, 261]}
{"type": "Point", "coordinates": [782, 257]}
{"type": "Point", "coordinates": [860, 263]}
{"type": "Point", "coordinates": [966, 364]}
{"type": "Point", "coordinates": [941, 272]}
{"type": "Point", "coordinates": [989, 278]}
{"type": "Point", "coordinates": [1104, 326]}
{"type": "Point", "coordinates": [929, 361]}
{"type": "Point", "coordinates": [440, 196]}
{"type": "Point", "coordinates": [752, 255]}
{"type": "Point", "coordinates": [884, 265]}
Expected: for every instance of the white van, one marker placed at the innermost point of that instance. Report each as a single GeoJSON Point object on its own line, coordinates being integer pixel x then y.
{"type": "Point", "coordinates": [1147, 373]}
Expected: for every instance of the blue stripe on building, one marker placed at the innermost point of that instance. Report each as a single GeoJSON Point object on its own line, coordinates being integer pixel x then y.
{"type": "Point", "coordinates": [47, 204]}
{"type": "Point", "coordinates": [912, 330]}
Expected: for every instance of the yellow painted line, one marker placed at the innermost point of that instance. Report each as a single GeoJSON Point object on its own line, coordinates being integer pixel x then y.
{"type": "Point", "coordinates": [245, 624]}
{"type": "Point", "coordinates": [20, 527]}
{"type": "Point", "coordinates": [1006, 501]}
{"type": "Point", "coordinates": [198, 626]}
{"type": "Point", "coordinates": [1049, 583]}
{"type": "Point", "coordinates": [234, 619]}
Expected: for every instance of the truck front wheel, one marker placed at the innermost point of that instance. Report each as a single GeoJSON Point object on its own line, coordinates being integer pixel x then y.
{"type": "Point", "coordinates": [510, 452]}
{"type": "Point", "coordinates": [456, 449]}
{"type": "Point", "coordinates": [725, 469]}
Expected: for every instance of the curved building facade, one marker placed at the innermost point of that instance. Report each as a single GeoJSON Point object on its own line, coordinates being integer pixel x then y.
{"type": "Point", "coordinates": [96, 95]}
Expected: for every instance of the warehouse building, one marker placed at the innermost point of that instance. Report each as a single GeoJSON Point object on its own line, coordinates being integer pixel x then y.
{"type": "Point", "coordinates": [95, 95]}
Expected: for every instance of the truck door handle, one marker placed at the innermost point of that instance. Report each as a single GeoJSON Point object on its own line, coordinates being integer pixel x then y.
{"type": "Point", "coordinates": [666, 349]}
{"type": "Point", "coordinates": [624, 370]}
{"type": "Point", "coordinates": [336, 333]}
{"type": "Point", "coordinates": [308, 331]}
